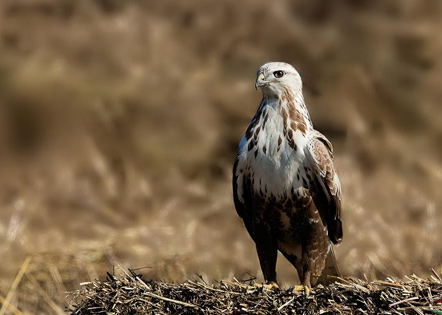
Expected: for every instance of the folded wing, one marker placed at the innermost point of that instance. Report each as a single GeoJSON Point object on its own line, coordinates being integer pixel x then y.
{"type": "Point", "coordinates": [327, 195]}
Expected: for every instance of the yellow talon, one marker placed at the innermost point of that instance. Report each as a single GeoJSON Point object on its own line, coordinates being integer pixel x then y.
{"type": "Point", "coordinates": [301, 288]}
{"type": "Point", "coordinates": [271, 286]}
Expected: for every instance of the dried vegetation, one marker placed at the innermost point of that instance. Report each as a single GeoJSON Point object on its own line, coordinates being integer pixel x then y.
{"type": "Point", "coordinates": [131, 295]}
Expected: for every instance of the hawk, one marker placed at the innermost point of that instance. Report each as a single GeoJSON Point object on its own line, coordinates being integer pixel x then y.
{"type": "Point", "coordinates": [285, 186]}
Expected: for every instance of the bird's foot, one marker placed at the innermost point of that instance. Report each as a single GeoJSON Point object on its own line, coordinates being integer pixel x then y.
{"type": "Point", "coordinates": [270, 286]}
{"type": "Point", "coordinates": [297, 289]}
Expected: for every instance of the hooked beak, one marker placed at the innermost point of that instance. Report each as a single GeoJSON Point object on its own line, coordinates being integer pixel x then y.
{"type": "Point", "coordinates": [259, 81]}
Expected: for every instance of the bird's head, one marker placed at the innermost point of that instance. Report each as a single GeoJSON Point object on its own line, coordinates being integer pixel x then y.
{"type": "Point", "coordinates": [275, 77]}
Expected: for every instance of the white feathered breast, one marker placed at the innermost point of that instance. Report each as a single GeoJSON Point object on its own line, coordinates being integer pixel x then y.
{"type": "Point", "coordinates": [270, 160]}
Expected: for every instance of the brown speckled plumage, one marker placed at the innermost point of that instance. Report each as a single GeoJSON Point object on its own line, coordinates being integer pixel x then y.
{"type": "Point", "coordinates": [284, 183]}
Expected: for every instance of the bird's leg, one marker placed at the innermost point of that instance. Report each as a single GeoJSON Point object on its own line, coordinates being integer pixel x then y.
{"type": "Point", "coordinates": [304, 274]}
{"type": "Point", "coordinates": [310, 249]}
{"type": "Point", "coordinates": [305, 286]}
{"type": "Point", "coordinates": [267, 258]}
{"type": "Point", "coordinates": [267, 253]}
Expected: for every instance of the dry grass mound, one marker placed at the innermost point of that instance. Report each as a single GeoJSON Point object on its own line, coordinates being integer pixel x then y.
{"type": "Point", "coordinates": [132, 295]}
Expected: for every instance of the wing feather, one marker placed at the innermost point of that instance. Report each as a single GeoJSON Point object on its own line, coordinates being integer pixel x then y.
{"type": "Point", "coordinates": [327, 197]}
{"type": "Point", "coordinates": [242, 197]}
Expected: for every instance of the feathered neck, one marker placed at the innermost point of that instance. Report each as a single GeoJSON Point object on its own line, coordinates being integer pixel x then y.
{"type": "Point", "coordinates": [290, 103]}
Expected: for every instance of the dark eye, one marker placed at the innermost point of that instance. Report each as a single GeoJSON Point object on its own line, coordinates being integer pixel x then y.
{"type": "Point", "coordinates": [278, 74]}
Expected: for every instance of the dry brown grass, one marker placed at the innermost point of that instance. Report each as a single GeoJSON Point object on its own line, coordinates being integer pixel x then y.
{"type": "Point", "coordinates": [130, 294]}
{"type": "Point", "coordinates": [119, 123]}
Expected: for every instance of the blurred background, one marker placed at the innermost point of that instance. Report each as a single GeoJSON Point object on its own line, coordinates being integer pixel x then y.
{"type": "Point", "coordinates": [119, 124]}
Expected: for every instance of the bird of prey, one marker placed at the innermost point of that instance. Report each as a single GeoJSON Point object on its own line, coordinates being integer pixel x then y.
{"type": "Point", "coordinates": [285, 186]}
